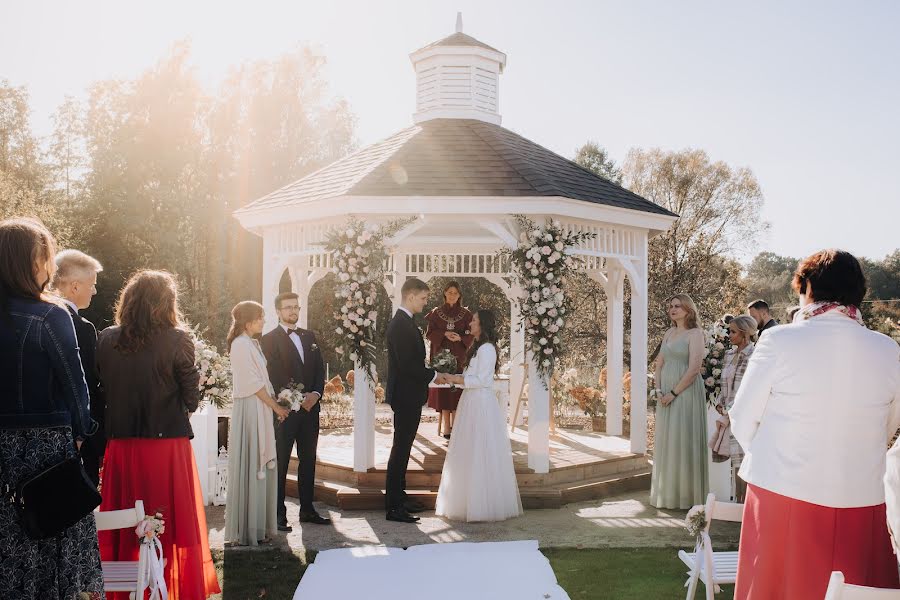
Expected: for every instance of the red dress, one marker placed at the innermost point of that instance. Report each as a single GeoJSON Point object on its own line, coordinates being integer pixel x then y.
{"type": "Point", "coordinates": [790, 547]}
{"type": "Point", "coordinates": [162, 473]}
{"type": "Point", "coordinates": [441, 320]}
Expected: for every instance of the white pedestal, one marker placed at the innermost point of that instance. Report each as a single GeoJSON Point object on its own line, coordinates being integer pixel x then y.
{"type": "Point", "coordinates": [719, 473]}
{"type": "Point", "coordinates": [205, 424]}
{"type": "Point", "coordinates": [363, 422]}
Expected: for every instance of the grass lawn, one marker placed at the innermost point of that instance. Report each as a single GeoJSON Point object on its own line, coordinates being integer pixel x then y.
{"type": "Point", "coordinates": [589, 574]}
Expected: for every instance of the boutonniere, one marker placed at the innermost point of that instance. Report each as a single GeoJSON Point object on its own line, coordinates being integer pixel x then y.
{"type": "Point", "coordinates": [314, 347]}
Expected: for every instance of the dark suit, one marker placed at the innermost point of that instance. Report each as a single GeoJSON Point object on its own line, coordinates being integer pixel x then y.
{"type": "Point", "coordinates": [769, 325]}
{"type": "Point", "coordinates": [406, 392]}
{"type": "Point", "coordinates": [94, 447]}
{"type": "Point", "coordinates": [285, 365]}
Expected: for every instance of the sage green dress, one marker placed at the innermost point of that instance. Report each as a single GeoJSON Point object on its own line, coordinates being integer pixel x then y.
{"type": "Point", "coordinates": [250, 503]}
{"type": "Point", "coordinates": [680, 468]}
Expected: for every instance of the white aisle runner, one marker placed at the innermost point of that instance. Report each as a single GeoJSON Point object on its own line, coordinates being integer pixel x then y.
{"type": "Point", "coordinates": [483, 571]}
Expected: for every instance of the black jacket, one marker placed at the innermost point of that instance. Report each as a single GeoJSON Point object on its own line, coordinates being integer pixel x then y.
{"type": "Point", "coordinates": [149, 393]}
{"type": "Point", "coordinates": [284, 364]}
{"type": "Point", "coordinates": [407, 377]}
{"type": "Point", "coordinates": [769, 325]}
{"type": "Point", "coordinates": [86, 334]}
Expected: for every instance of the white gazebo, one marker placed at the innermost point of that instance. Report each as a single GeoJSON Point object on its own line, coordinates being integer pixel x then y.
{"type": "Point", "coordinates": [462, 176]}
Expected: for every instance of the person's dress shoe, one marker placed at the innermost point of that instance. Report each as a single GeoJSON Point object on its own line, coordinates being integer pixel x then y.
{"type": "Point", "coordinates": [314, 517]}
{"type": "Point", "coordinates": [285, 527]}
{"type": "Point", "coordinates": [401, 516]}
{"type": "Point", "coordinates": [414, 506]}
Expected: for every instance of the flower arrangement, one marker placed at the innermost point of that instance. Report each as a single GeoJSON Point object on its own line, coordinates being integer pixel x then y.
{"type": "Point", "coordinates": [541, 266]}
{"type": "Point", "coordinates": [215, 373]}
{"type": "Point", "coordinates": [695, 521]}
{"type": "Point", "coordinates": [379, 393]}
{"type": "Point", "coordinates": [444, 362]}
{"type": "Point", "coordinates": [291, 397]}
{"type": "Point", "coordinates": [717, 345]}
{"type": "Point", "coordinates": [590, 400]}
{"type": "Point", "coordinates": [334, 386]}
{"type": "Point", "coordinates": [150, 527]}
{"type": "Point", "coordinates": [359, 258]}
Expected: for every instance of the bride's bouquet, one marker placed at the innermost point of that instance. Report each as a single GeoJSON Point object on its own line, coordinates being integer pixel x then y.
{"type": "Point", "coordinates": [291, 397]}
{"type": "Point", "coordinates": [444, 362]}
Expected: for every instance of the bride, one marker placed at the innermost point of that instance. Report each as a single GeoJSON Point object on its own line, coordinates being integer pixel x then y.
{"type": "Point", "coordinates": [479, 482]}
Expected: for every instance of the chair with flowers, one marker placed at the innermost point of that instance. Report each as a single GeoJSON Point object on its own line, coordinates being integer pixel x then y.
{"type": "Point", "coordinates": [147, 571]}
{"type": "Point", "coordinates": [703, 560]}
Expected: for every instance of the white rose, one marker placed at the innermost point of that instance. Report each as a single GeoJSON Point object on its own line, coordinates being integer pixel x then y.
{"type": "Point", "coordinates": [535, 272]}
{"type": "Point", "coordinates": [559, 246]}
{"type": "Point", "coordinates": [535, 296]}
{"type": "Point", "coordinates": [548, 350]}
{"type": "Point", "coordinates": [542, 341]}
{"type": "Point", "coordinates": [541, 309]}
{"type": "Point", "coordinates": [545, 362]}
{"type": "Point", "coordinates": [339, 330]}
{"type": "Point", "coordinates": [549, 276]}
{"type": "Point", "coordinates": [548, 237]}
{"type": "Point", "coordinates": [717, 372]}
{"type": "Point", "coordinates": [546, 250]}
{"type": "Point", "coordinates": [353, 356]}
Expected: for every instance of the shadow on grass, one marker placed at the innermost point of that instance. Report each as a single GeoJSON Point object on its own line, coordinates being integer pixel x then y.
{"type": "Point", "coordinates": [255, 574]}
{"type": "Point", "coordinates": [623, 574]}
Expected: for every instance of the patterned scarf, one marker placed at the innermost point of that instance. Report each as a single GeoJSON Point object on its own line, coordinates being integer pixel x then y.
{"type": "Point", "coordinates": [820, 308]}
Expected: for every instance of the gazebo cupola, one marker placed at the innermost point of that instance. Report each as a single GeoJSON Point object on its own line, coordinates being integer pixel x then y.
{"type": "Point", "coordinates": [458, 77]}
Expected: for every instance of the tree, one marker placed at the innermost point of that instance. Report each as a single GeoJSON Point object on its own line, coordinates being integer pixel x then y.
{"type": "Point", "coordinates": [769, 277]}
{"type": "Point", "coordinates": [594, 157]}
{"type": "Point", "coordinates": [65, 154]}
{"type": "Point", "coordinates": [719, 214]}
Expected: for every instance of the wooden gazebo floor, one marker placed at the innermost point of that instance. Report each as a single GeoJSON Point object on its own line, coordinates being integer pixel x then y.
{"type": "Point", "coordinates": [583, 465]}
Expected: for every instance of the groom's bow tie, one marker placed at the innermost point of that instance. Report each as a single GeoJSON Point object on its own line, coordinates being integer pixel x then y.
{"type": "Point", "coordinates": [290, 331]}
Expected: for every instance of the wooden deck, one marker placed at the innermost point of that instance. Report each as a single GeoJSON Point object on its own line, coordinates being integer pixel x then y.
{"type": "Point", "coordinates": [583, 466]}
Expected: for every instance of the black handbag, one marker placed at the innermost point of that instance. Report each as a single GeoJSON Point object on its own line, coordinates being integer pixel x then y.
{"type": "Point", "coordinates": [55, 499]}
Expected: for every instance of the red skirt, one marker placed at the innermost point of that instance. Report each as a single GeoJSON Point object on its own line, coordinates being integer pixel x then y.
{"type": "Point", "coordinates": [162, 473]}
{"type": "Point", "coordinates": [443, 398]}
{"type": "Point", "coordinates": [789, 548]}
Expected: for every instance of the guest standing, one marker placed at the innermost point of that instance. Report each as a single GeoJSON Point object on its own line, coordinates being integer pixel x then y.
{"type": "Point", "coordinates": [293, 356]}
{"type": "Point", "coordinates": [448, 329]}
{"type": "Point", "coordinates": [741, 331]}
{"type": "Point", "coordinates": [250, 513]}
{"type": "Point", "coordinates": [680, 470]}
{"type": "Point", "coordinates": [44, 414]}
{"type": "Point", "coordinates": [146, 363]}
{"type": "Point", "coordinates": [75, 282]}
{"type": "Point", "coordinates": [816, 407]}
{"type": "Point", "coordinates": [759, 310]}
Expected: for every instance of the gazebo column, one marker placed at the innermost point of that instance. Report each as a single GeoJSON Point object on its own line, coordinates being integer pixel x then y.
{"type": "Point", "coordinates": [538, 419]}
{"type": "Point", "coordinates": [639, 353]}
{"type": "Point", "coordinates": [272, 269]}
{"type": "Point", "coordinates": [615, 349]}
{"type": "Point", "coordinates": [300, 285]}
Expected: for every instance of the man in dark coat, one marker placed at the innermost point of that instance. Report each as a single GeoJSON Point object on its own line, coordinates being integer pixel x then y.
{"type": "Point", "coordinates": [293, 357]}
{"type": "Point", "coordinates": [75, 282]}
{"type": "Point", "coordinates": [406, 392]}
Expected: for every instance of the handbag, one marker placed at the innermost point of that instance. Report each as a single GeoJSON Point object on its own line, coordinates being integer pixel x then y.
{"type": "Point", "coordinates": [720, 442]}
{"type": "Point", "coordinates": [55, 499]}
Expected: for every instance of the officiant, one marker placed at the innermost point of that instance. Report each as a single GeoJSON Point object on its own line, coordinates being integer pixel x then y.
{"type": "Point", "coordinates": [448, 329]}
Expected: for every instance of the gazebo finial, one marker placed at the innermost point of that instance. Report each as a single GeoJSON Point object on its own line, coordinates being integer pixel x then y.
{"type": "Point", "coordinates": [459, 22]}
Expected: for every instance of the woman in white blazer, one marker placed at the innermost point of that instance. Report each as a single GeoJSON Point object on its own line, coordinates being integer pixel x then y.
{"type": "Point", "coordinates": [816, 408]}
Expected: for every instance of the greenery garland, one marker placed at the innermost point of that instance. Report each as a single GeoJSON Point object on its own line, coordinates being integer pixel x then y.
{"type": "Point", "coordinates": [542, 265]}
{"type": "Point", "coordinates": [359, 259]}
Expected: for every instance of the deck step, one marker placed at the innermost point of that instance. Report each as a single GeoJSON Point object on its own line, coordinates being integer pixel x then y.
{"type": "Point", "coordinates": [348, 497]}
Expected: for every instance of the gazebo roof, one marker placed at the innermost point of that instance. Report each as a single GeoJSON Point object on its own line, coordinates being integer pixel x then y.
{"type": "Point", "coordinates": [455, 157]}
{"type": "Point", "coordinates": [458, 39]}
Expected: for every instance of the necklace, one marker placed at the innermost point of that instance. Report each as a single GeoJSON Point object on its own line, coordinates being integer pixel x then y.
{"type": "Point", "coordinates": [451, 321]}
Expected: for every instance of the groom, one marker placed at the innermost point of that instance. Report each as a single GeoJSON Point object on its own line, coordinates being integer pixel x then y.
{"type": "Point", "coordinates": [406, 392]}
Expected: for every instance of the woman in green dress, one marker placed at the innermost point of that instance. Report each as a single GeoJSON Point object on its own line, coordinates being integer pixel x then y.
{"type": "Point", "coordinates": [250, 506]}
{"type": "Point", "coordinates": [680, 468]}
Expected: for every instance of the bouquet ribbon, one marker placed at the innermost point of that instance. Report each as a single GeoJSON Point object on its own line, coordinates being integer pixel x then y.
{"type": "Point", "coordinates": [155, 566]}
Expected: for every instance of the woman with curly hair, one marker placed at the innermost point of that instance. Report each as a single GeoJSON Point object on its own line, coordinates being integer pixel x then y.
{"type": "Point", "coordinates": [146, 363]}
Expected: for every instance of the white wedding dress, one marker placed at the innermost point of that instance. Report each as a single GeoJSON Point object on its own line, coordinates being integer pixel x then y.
{"type": "Point", "coordinates": [478, 482]}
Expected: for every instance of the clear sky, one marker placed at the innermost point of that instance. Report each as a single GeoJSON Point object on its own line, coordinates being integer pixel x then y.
{"type": "Point", "coordinates": [806, 94]}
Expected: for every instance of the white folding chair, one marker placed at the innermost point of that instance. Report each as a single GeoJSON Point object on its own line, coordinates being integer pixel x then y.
{"type": "Point", "coordinates": [838, 590]}
{"type": "Point", "coordinates": [703, 560]}
{"type": "Point", "coordinates": [120, 575]}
